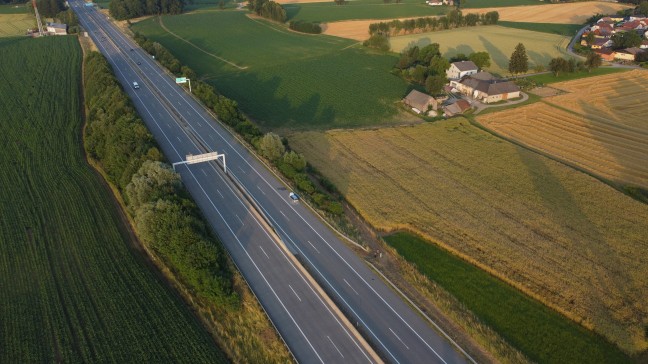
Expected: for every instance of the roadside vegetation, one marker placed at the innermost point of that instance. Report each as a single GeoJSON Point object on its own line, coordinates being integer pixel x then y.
{"type": "Point", "coordinates": [74, 287]}
{"type": "Point", "coordinates": [541, 333]}
{"type": "Point", "coordinates": [557, 234]}
{"type": "Point", "coordinates": [169, 224]}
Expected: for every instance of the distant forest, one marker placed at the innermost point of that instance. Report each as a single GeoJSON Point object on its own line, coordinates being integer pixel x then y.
{"type": "Point", "coordinates": [126, 9]}
{"type": "Point", "coordinates": [5, 2]}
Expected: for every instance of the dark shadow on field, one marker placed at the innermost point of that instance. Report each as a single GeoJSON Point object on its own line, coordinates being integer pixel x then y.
{"type": "Point", "coordinates": [536, 58]}
{"type": "Point", "coordinates": [291, 10]}
{"type": "Point", "coordinates": [271, 111]}
{"type": "Point", "coordinates": [497, 57]}
{"type": "Point", "coordinates": [603, 271]}
{"type": "Point", "coordinates": [461, 48]}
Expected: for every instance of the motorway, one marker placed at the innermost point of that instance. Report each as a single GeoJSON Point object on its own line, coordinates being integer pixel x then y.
{"type": "Point", "coordinates": [311, 328]}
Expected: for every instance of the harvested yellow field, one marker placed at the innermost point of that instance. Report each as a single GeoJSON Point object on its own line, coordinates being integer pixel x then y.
{"type": "Point", "coordinates": [599, 126]}
{"type": "Point", "coordinates": [567, 13]}
{"type": "Point", "coordinates": [352, 29]}
{"type": "Point", "coordinates": [560, 235]}
{"type": "Point", "coordinates": [621, 98]}
{"type": "Point", "coordinates": [15, 24]}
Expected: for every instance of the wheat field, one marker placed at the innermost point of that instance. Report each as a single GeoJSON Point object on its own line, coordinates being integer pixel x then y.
{"type": "Point", "coordinates": [599, 126]}
{"type": "Point", "coordinates": [561, 236]}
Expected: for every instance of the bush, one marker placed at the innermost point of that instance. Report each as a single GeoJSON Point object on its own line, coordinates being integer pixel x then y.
{"type": "Point", "coordinates": [378, 41]}
{"type": "Point", "coordinates": [305, 27]}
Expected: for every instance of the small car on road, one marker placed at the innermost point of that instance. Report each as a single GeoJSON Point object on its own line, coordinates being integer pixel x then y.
{"type": "Point", "coordinates": [293, 196]}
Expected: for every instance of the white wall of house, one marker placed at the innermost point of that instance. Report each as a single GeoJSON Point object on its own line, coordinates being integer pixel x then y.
{"type": "Point", "coordinates": [454, 72]}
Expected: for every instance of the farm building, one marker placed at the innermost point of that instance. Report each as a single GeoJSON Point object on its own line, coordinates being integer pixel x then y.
{"type": "Point", "coordinates": [628, 54]}
{"type": "Point", "coordinates": [57, 28]}
{"type": "Point", "coordinates": [644, 44]}
{"type": "Point", "coordinates": [440, 2]}
{"type": "Point", "coordinates": [458, 70]}
{"type": "Point", "coordinates": [601, 43]}
{"type": "Point", "coordinates": [420, 102]}
{"type": "Point", "coordinates": [606, 54]}
{"type": "Point", "coordinates": [486, 88]}
{"type": "Point", "coordinates": [456, 108]}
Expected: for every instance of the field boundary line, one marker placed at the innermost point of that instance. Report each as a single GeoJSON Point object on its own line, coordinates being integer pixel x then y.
{"type": "Point", "coordinates": [198, 48]}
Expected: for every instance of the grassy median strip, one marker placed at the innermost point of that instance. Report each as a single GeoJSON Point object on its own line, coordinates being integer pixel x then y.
{"type": "Point", "coordinates": [539, 332]}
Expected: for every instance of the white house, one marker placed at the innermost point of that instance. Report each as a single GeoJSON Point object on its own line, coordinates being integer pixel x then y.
{"type": "Point", "coordinates": [57, 28]}
{"type": "Point", "coordinates": [458, 70]}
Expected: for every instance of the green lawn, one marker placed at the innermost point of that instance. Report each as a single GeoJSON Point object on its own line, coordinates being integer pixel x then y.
{"type": "Point", "coordinates": [559, 29]}
{"type": "Point", "coordinates": [13, 9]}
{"type": "Point", "coordinates": [548, 78]}
{"type": "Point", "coordinates": [539, 332]}
{"type": "Point", "coordinates": [285, 79]}
{"type": "Point", "coordinates": [73, 288]}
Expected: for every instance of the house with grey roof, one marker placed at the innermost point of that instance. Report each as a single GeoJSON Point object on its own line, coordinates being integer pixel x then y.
{"type": "Point", "coordinates": [57, 28]}
{"type": "Point", "coordinates": [458, 70]}
{"type": "Point", "coordinates": [486, 88]}
{"type": "Point", "coordinates": [420, 102]}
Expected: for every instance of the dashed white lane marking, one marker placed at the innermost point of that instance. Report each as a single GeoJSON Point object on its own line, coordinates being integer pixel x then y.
{"type": "Point", "coordinates": [237, 216]}
{"type": "Point", "coordinates": [205, 173]}
{"type": "Point", "coordinates": [178, 139]}
{"type": "Point", "coordinates": [219, 192]}
{"type": "Point", "coordinates": [335, 346]}
{"type": "Point", "coordinates": [264, 252]}
{"type": "Point", "coordinates": [260, 190]}
{"type": "Point", "coordinates": [311, 244]}
{"type": "Point", "coordinates": [241, 169]}
{"type": "Point", "coordinates": [345, 281]}
{"type": "Point", "coordinates": [399, 339]}
{"type": "Point", "coordinates": [295, 293]}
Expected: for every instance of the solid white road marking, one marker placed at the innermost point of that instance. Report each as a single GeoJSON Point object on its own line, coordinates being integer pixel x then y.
{"type": "Point", "coordinates": [295, 293]}
{"type": "Point", "coordinates": [345, 281]}
{"type": "Point", "coordinates": [264, 252]}
{"type": "Point", "coordinates": [313, 246]}
{"type": "Point", "coordinates": [335, 346]}
{"type": "Point", "coordinates": [399, 339]}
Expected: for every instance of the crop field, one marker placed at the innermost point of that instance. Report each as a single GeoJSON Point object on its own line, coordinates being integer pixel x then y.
{"type": "Point", "coordinates": [73, 288]}
{"type": "Point", "coordinates": [498, 41]}
{"type": "Point", "coordinates": [566, 13]}
{"type": "Point", "coordinates": [599, 126]}
{"type": "Point", "coordinates": [283, 79]}
{"type": "Point", "coordinates": [551, 28]}
{"type": "Point", "coordinates": [14, 20]}
{"type": "Point", "coordinates": [541, 333]}
{"type": "Point", "coordinates": [361, 9]}
{"type": "Point", "coordinates": [563, 237]}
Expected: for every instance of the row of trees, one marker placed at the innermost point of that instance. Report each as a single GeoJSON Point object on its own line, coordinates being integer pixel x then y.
{"type": "Point", "coordinates": [560, 65]}
{"type": "Point", "coordinates": [271, 146]}
{"type": "Point", "coordinates": [305, 27]}
{"type": "Point", "coordinates": [50, 8]}
{"type": "Point", "coordinates": [453, 19]}
{"type": "Point", "coordinates": [126, 9]}
{"type": "Point", "coordinates": [167, 221]}
{"type": "Point", "coordinates": [268, 9]}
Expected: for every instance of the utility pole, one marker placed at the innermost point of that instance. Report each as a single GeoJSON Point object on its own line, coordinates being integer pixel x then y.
{"type": "Point", "coordinates": [38, 19]}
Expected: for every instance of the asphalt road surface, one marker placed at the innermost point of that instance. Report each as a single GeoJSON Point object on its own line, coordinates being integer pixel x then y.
{"type": "Point", "coordinates": [310, 327]}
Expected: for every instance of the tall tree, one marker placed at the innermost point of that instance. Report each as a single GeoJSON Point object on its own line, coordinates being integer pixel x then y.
{"type": "Point", "coordinates": [434, 84]}
{"type": "Point", "coordinates": [480, 59]}
{"type": "Point", "coordinates": [626, 39]}
{"type": "Point", "coordinates": [519, 62]}
{"type": "Point", "coordinates": [593, 60]}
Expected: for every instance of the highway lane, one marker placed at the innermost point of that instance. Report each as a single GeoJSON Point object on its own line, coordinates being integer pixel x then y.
{"type": "Point", "coordinates": [393, 327]}
{"type": "Point", "coordinates": [309, 326]}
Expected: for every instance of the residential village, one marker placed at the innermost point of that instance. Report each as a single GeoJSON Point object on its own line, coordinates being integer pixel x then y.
{"type": "Point", "coordinates": [602, 32]}
{"type": "Point", "coordinates": [468, 87]}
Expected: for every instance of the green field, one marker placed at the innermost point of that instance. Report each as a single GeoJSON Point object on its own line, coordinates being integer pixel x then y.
{"type": "Point", "coordinates": [539, 332]}
{"type": "Point", "coordinates": [73, 287]}
{"type": "Point", "coordinates": [498, 41]}
{"type": "Point", "coordinates": [283, 79]}
{"type": "Point", "coordinates": [471, 4]}
{"type": "Point", "coordinates": [361, 9]}
{"type": "Point", "coordinates": [14, 20]}
{"type": "Point", "coordinates": [548, 78]}
{"type": "Point", "coordinates": [559, 29]}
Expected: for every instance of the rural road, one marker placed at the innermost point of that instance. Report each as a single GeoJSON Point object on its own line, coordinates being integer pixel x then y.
{"type": "Point", "coordinates": [309, 326]}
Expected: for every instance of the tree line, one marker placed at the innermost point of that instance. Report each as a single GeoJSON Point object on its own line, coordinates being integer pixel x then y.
{"type": "Point", "coordinates": [166, 219]}
{"type": "Point", "coordinates": [268, 9]}
{"type": "Point", "coordinates": [127, 9]}
{"type": "Point", "coordinates": [453, 19]}
{"type": "Point", "coordinates": [275, 149]}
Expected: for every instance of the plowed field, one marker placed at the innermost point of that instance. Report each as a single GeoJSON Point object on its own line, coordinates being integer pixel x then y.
{"type": "Point", "coordinates": [560, 235]}
{"type": "Point", "coordinates": [600, 125]}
